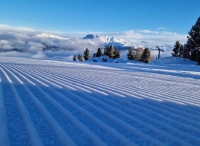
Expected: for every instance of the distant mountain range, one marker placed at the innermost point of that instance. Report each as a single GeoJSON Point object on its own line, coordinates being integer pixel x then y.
{"type": "Point", "coordinates": [45, 35]}
{"type": "Point", "coordinates": [104, 41]}
{"type": "Point", "coordinates": [35, 41]}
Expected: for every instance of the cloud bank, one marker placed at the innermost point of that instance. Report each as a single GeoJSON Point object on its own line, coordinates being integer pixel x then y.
{"type": "Point", "coordinates": [25, 42]}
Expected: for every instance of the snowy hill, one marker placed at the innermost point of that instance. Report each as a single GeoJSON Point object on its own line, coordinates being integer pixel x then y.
{"type": "Point", "coordinates": [45, 102]}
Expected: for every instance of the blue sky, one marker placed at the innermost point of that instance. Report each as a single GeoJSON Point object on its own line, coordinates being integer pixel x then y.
{"type": "Point", "coordinates": [101, 15]}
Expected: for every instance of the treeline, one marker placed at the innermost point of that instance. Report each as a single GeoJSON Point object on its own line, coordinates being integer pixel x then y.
{"type": "Point", "coordinates": [190, 50]}
{"type": "Point", "coordinates": [109, 51]}
{"type": "Point", "coordinates": [143, 55]}
{"type": "Point", "coordinates": [140, 54]}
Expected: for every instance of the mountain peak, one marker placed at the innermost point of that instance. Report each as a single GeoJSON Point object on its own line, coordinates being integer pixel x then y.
{"type": "Point", "coordinates": [89, 36]}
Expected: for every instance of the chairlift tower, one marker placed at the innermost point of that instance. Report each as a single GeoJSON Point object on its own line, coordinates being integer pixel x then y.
{"type": "Point", "coordinates": [158, 52]}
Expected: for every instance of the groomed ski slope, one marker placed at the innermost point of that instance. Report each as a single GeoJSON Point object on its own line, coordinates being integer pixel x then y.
{"type": "Point", "coordinates": [56, 103]}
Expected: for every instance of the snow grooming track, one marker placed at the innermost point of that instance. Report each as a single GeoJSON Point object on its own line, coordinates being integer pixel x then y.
{"type": "Point", "coordinates": [3, 131]}
{"type": "Point", "coordinates": [45, 102]}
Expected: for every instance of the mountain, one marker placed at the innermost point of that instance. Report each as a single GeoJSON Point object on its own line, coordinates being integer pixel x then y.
{"type": "Point", "coordinates": [124, 44]}
{"type": "Point", "coordinates": [106, 40]}
{"type": "Point", "coordinates": [45, 35]}
{"type": "Point", "coordinates": [89, 36]}
{"type": "Point", "coordinates": [24, 41]}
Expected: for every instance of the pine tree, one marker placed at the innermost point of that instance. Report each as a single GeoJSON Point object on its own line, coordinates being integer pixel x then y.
{"type": "Point", "coordinates": [99, 53]}
{"type": "Point", "coordinates": [74, 58]}
{"type": "Point", "coordinates": [181, 52]}
{"type": "Point", "coordinates": [194, 40]}
{"type": "Point", "coordinates": [116, 53]}
{"type": "Point", "coordinates": [186, 50]}
{"type": "Point", "coordinates": [110, 51]}
{"type": "Point", "coordinates": [176, 49]}
{"type": "Point", "coordinates": [94, 55]}
{"type": "Point", "coordinates": [86, 54]}
{"type": "Point", "coordinates": [139, 53]}
{"type": "Point", "coordinates": [80, 57]}
{"type": "Point", "coordinates": [130, 54]}
{"type": "Point", "coordinates": [105, 51]}
{"type": "Point", "coordinates": [146, 56]}
{"type": "Point", "coordinates": [198, 56]}
{"type": "Point", "coordinates": [111, 54]}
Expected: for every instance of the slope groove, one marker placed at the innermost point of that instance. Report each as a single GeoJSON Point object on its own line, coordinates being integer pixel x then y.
{"type": "Point", "coordinates": [45, 102]}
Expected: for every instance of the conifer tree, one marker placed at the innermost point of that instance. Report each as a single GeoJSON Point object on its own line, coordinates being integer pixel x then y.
{"type": "Point", "coordinates": [116, 53]}
{"type": "Point", "coordinates": [194, 40]}
{"type": "Point", "coordinates": [105, 51]}
{"type": "Point", "coordinates": [176, 49]}
{"type": "Point", "coordinates": [94, 55]}
{"type": "Point", "coordinates": [186, 50]}
{"type": "Point", "coordinates": [74, 58]}
{"type": "Point", "coordinates": [146, 56]}
{"type": "Point", "coordinates": [80, 57]}
{"type": "Point", "coordinates": [181, 52]}
{"type": "Point", "coordinates": [139, 53]}
{"type": "Point", "coordinates": [99, 53]}
{"type": "Point", "coordinates": [130, 54]}
{"type": "Point", "coordinates": [86, 54]}
{"type": "Point", "coordinates": [110, 51]}
{"type": "Point", "coordinates": [111, 54]}
{"type": "Point", "coordinates": [198, 56]}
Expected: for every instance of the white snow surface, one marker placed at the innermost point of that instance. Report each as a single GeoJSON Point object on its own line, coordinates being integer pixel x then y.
{"type": "Point", "coordinates": [46, 102]}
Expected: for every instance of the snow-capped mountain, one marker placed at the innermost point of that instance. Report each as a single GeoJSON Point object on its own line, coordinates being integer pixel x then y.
{"type": "Point", "coordinates": [121, 43]}
{"type": "Point", "coordinates": [106, 40]}
{"type": "Point", "coordinates": [45, 35]}
{"type": "Point", "coordinates": [39, 41]}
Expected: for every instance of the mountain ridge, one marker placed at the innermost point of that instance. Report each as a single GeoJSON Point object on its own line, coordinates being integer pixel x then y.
{"type": "Point", "coordinates": [41, 41]}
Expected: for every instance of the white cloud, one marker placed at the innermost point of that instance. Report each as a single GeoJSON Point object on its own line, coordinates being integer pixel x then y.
{"type": "Point", "coordinates": [7, 27]}
{"type": "Point", "coordinates": [158, 37]}
{"type": "Point", "coordinates": [161, 28]}
{"type": "Point", "coordinates": [40, 55]}
{"type": "Point", "coordinates": [149, 31]}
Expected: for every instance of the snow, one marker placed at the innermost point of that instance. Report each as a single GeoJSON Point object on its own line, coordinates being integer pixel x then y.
{"type": "Point", "coordinates": [106, 40]}
{"type": "Point", "coordinates": [45, 35]}
{"type": "Point", "coordinates": [47, 102]}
